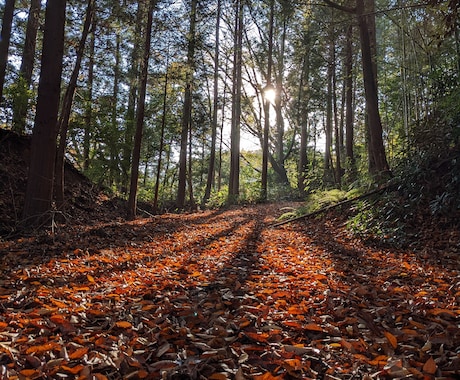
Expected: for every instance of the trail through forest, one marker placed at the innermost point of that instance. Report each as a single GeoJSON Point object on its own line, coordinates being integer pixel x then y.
{"type": "Point", "coordinates": [223, 295]}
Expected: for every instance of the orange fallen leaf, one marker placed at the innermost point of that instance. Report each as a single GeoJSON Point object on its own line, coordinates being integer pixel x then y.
{"type": "Point", "coordinates": [123, 324]}
{"type": "Point", "coordinates": [430, 366]}
{"type": "Point", "coordinates": [73, 370]}
{"type": "Point", "coordinates": [30, 373]}
{"type": "Point", "coordinates": [313, 327]}
{"type": "Point", "coordinates": [391, 339]}
{"type": "Point", "coordinates": [79, 353]}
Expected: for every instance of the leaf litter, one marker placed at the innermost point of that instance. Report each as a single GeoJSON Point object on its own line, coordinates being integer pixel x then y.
{"type": "Point", "coordinates": [221, 295]}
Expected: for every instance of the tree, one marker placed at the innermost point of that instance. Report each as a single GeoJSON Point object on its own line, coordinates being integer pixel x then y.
{"type": "Point", "coordinates": [63, 122]}
{"type": "Point", "coordinates": [349, 111]}
{"type": "Point", "coordinates": [376, 146]}
{"type": "Point", "coordinates": [269, 87]}
{"type": "Point", "coordinates": [234, 181]}
{"type": "Point", "coordinates": [132, 200]}
{"type": "Point", "coordinates": [39, 191]}
{"type": "Point", "coordinates": [212, 158]}
{"type": "Point", "coordinates": [5, 41]}
{"type": "Point", "coordinates": [187, 112]}
{"type": "Point", "coordinates": [20, 101]}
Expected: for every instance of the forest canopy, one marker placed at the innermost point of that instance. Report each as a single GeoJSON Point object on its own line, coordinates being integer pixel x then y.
{"type": "Point", "coordinates": [181, 103]}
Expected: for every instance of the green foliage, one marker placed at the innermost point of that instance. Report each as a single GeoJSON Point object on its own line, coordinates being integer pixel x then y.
{"type": "Point", "coordinates": [19, 93]}
{"type": "Point", "coordinates": [218, 199]}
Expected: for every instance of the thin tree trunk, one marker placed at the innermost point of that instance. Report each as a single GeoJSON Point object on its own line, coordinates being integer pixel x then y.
{"type": "Point", "coordinates": [212, 158]}
{"type": "Point", "coordinates": [162, 137]}
{"type": "Point", "coordinates": [39, 191]}
{"type": "Point", "coordinates": [349, 129]}
{"type": "Point", "coordinates": [302, 117]}
{"type": "Point", "coordinates": [63, 123]}
{"type": "Point", "coordinates": [267, 105]}
{"type": "Point", "coordinates": [187, 115]}
{"type": "Point", "coordinates": [89, 108]}
{"type": "Point", "coordinates": [234, 183]}
{"type": "Point", "coordinates": [133, 77]}
{"type": "Point", "coordinates": [328, 129]}
{"type": "Point", "coordinates": [132, 200]}
{"type": "Point", "coordinates": [27, 64]}
{"type": "Point", "coordinates": [280, 168]}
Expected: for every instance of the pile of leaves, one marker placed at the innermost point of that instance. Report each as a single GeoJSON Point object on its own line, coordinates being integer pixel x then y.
{"type": "Point", "coordinates": [223, 295]}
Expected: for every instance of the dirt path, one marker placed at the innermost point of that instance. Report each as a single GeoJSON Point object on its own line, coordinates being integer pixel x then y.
{"type": "Point", "coordinates": [221, 295]}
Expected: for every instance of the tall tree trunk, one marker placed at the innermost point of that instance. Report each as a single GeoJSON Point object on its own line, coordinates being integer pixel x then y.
{"type": "Point", "coordinates": [267, 105]}
{"type": "Point", "coordinates": [89, 98]}
{"type": "Point", "coordinates": [140, 113]}
{"type": "Point", "coordinates": [349, 111]}
{"type": "Point", "coordinates": [212, 158]}
{"type": "Point", "coordinates": [377, 149]}
{"type": "Point", "coordinates": [363, 11]}
{"type": "Point", "coordinates": [5, 42]}
{"type": "Point", "coordinates": [187, 115]}
{"type": "Point", "coordinates": [327, 175]}
{"type": "Point", "coordinates": [337, 126]}
{"type": "Point", "coordinates": [39, 191]}
{"type": "Point", "coordinates": [280, 168]}
{"type": "Point", "coordinates": [63, 123]}
{"type": "Point", "coordinates": [27, 64]}
{"type": "Point", "coordinates": [302, 116]}
{"type": "Point", "coordinates": [133, 77]}
{"type": "Point", "coordinates": [162, 137]}
{"type": "Point", "coordinates": [234, 182]}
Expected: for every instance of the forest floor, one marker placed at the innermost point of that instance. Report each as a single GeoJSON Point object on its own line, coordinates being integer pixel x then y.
{"type": "Point", "coordinates": [225, 295]}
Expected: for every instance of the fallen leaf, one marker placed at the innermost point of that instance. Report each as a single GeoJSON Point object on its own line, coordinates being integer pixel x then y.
{"type": "Point", "coordinates": [430, 366]}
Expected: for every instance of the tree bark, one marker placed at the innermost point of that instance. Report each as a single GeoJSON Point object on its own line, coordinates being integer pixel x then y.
{"type": "Point", "coordinates": [5, 42]}
{"type": "Point", "coordinates": [377, 148]}
{"type": "Point", "coordinates": [39, 191]}
{"type": "Point", "coordinates": [132, 200]}
{"type": "Point", "coordinates": [27, 65]}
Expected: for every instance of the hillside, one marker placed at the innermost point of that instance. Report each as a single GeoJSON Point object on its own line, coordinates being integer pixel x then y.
{"type": "Point", "coordinates": [86, 203]}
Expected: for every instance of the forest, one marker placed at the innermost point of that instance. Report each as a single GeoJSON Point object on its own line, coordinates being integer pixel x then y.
{"type": "Point", "coordinates": [214, 103]}
{"type": "Point", "coordinates": [230, 189]}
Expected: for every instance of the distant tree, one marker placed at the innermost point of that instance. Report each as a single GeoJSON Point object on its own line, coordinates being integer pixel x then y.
{"type": "Point", "coordinates": [39, 191]}
{"type": "Point", "coordinates": [5, 37]}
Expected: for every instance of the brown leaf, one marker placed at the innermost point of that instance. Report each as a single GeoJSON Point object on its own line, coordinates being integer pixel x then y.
{"type": "Point", "coordinates": [430, 366]}
{"type": "Point", "coordinates": [391, 339]}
